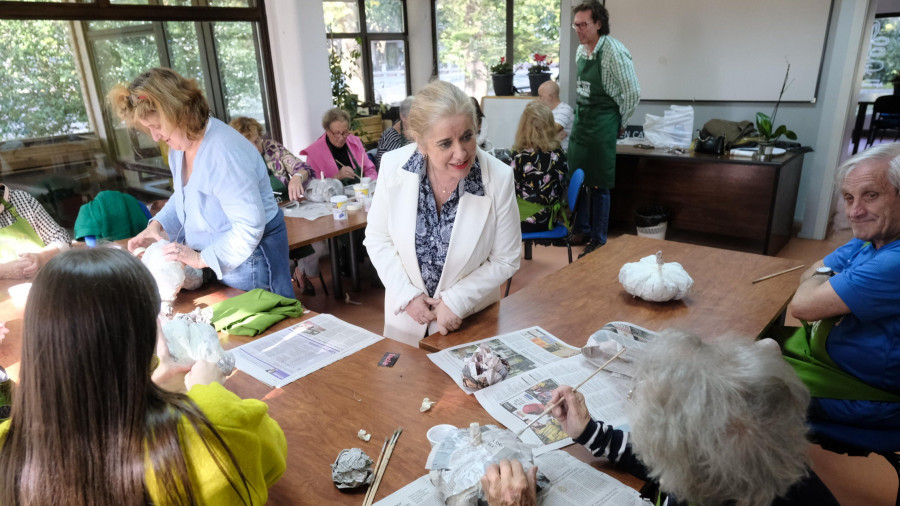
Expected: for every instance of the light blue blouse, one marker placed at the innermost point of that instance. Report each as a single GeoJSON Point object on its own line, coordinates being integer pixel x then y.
{"type": "Point", "coordinates": [225, 206]}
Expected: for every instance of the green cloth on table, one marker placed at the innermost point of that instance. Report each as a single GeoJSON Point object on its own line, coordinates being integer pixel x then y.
{"type": "Point", "coordinates": [112, 216]}
{"type": "Point", "coordinates": [805, 351]}
{"type": "Point", "coordinates": [251, 313]}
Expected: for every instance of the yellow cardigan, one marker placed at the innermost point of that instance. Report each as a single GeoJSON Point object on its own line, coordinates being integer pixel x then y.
{"type": "Point", "coordinates": [255, 439]}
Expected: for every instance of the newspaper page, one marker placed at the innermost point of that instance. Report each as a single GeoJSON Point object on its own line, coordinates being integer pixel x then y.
{"type": "Point", "coordinates": [611, 338]}
{"type": "Point", "coordinates": [285, 356]}
{"type": "Point", "coordinates": [572, 483]}
{"type": "Point", "coordinates": [524, 350]}
{"type": "Point", "coordinates": [515, 402]}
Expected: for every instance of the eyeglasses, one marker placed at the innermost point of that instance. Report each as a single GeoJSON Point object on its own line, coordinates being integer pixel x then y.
{"type": "Point", "coordinates": [345, 133]}
{"type": "Point", "coordinates": [579, 26]}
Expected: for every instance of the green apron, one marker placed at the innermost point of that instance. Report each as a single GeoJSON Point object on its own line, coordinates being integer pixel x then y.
{"type": "Point", "coordinates": [20, 237]}
{"type": "Point", "coordinates": [592, 145]}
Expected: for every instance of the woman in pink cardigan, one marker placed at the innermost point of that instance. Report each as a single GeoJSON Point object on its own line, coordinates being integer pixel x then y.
{"type": "Point", "coordinates": [338, 154]}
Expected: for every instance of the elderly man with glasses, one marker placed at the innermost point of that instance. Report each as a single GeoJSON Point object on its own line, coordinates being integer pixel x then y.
{"type": "Point", "coordinates": [608, 92]}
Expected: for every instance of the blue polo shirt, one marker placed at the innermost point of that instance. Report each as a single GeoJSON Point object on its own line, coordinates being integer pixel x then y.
{"type": "Point", "coordinates": [866, 342]}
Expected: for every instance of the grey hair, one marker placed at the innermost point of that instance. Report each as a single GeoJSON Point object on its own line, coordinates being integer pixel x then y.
{"type": "Point", "coordinates": [434, 102]}
{"type": "Point", "coordinates": [719, 421]}
{"type": "Point", "coordinates": [406, 105]}
{"type": "Point", "coordinates": [887, 154]}
{"type": "Point", "coordinates": [335, 114]}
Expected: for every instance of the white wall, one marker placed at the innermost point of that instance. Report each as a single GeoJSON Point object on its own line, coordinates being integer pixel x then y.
{"type": "Point", "coordinates": [421, 54]}
{"type": "Point", "coordinates": [300, 61]}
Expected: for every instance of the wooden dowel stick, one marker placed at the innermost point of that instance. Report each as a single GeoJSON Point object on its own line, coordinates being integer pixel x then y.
{"type": "Point", "coordinates": [557, 403]}
{"type": "Point", "coordinates": [375, 470]}
{"type": "Point", "coordinates": [373, 489]}
{"type": "Point", "coordinates": [779, 273]}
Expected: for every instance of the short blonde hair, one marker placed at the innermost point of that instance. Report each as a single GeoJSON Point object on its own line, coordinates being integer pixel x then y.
{"type": "Point", "coordinates": [335, 114]}
{"type": "Point", "coordinates": [537, 129]}
{"type": "Point", "coordinates": [248, 127]}
{"type": "Point", "coordinates": [434, 102]}
{"type": "Point", "coordinates": [178, 101]}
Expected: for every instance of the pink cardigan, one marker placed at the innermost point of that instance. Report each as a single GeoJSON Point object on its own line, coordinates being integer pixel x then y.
{"type": "Point", "coordinates": [318, 156]}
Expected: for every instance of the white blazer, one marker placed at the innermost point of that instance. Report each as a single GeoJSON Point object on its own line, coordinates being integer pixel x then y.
{"type": "Point", "coordinates": [484, 248]}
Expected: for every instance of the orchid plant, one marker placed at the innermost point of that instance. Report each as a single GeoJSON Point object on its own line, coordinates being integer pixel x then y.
{"type": "Point", "coordinates": [764, 122]}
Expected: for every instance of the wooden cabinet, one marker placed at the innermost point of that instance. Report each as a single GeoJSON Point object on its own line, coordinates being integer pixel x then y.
{"type": "Point", "coordinates": [724, 201]}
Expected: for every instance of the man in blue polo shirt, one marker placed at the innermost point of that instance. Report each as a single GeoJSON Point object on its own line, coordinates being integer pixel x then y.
{"type": "Point", "coordinates": [849, 352]}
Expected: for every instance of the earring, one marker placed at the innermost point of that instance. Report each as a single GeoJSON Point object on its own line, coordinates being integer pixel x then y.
{"type": "Point", "coordinates": [154, 363]}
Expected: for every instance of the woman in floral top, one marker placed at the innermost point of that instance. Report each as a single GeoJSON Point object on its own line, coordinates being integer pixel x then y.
{"type": "Point", "coordinates": [282, 164]}
{"type": "Point", "coordinates": [540, 167]}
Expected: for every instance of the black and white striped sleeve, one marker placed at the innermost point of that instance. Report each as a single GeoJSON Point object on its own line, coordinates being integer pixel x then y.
{"type": "Point", "coordinates": [603, 440]}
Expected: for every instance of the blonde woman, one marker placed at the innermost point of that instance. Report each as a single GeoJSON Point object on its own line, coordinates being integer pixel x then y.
{"type": "Point", "coordinates": [222, 214]}
{"type": "Point", "coordinates": [282, 164]}
{"type": "Point", "coordinates": [443, 230]}
{"type": "Point", "coordinates": [539, 165]}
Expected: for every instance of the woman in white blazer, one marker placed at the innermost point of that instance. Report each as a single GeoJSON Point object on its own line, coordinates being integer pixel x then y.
{"type": "Point", "coordinates": [443, 229]}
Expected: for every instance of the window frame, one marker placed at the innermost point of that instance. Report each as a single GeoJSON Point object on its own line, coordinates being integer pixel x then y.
{"type": "Point", "coordinates": [365, 38]}
{"type": "Point", "coordinates": [199, 12]}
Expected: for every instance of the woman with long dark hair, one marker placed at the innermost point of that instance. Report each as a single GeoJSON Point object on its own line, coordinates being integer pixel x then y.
{"type": "Point", "coordinates": [89, 426]}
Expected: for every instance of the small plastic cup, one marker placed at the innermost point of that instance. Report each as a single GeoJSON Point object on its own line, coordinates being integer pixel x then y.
{"type": "Point", "coordinates": [438, 433]}
{"type": "Point", "coordinates": [339, 207]}
{"type": "Point", "coordinates": [367, 203]}
{"type": "Point", "coordinates": [361, 191]}
{"type": "Point", "coordinates": [365, 180]}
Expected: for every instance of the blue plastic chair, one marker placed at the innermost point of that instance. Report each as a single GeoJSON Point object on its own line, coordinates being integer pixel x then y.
{"type": "Point", "coordinates": [863, 440]}
{"type": "Point", "coordinates": [559, 231]}
{"type": "Point", "coordinates": [91, 241]}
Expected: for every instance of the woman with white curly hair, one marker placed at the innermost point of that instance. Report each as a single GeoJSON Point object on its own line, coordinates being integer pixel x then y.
{"type": "Point", "coordinates": [713, 423]}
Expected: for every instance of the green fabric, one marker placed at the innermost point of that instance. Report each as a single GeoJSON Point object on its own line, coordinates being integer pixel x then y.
{"type": "Point", "coordinates": [529, 209]}
{"type": "Point", "coordinates": [112, 216]}
{"type": "Point", "coordinates": [278, 187]}
{"type": "Point", "coordinates": [251, 313]}
{"type": "Point", "coordinates": [805, 351]}
{"type": "Point", "coordinates": [592, 145]}
{"type": "Point", "coordinates": [20, 237]}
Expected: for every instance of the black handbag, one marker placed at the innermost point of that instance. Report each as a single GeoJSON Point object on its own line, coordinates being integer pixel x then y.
{"type": "Point", "coordinates": [709, 144]}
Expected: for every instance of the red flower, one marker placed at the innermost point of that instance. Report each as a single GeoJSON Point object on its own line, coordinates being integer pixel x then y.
{"type": "Point", "coordinates": [502, 59]}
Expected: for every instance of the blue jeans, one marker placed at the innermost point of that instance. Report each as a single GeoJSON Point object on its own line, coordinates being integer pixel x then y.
{"type": "Point", "coordinates": [269, 266]}
{"type": "Point", "coordinates": [593, 214]}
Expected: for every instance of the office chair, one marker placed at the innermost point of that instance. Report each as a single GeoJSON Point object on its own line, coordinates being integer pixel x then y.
{"type": "Point", "coordinates": [885, 116]}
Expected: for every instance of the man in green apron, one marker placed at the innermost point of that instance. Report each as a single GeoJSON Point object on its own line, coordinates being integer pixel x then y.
{"type": "Point", "coordinates": [28, 235]}
{"type": "Point", "coordinates": [608, 92]}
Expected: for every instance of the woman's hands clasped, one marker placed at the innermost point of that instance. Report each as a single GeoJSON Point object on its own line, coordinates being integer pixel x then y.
{"type": "Point", "coordinates": [424, 310]}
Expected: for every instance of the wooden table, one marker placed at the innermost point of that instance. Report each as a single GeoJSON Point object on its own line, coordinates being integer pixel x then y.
{"type": "Point", "coordinates": [302, 232]}
{"type": "Point", "coordinates": [723, 201]}
{"type": "Point", "coordinates": [577, 300]}
{"type": "Point", "coordinates": [322, 412]}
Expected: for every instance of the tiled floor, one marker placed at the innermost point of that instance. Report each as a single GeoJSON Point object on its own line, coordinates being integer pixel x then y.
{"type": "Point", "coordinates": [369, 313]}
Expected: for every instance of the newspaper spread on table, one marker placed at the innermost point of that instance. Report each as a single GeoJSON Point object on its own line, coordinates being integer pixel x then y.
{"type": "Point", "coordinates": [308, 210]}
{"type": "Point", "coordinates": [524, 350]}
{"type": "Point", "coordinates": [285, 356]}
{"type": "Point", "coordinates": [515, 402]}
{"type": "Point", "coordinates": [572, 483]}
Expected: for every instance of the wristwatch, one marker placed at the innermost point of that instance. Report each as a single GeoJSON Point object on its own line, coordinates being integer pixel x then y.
{"type": "Point", "coordinates": [824, 271]}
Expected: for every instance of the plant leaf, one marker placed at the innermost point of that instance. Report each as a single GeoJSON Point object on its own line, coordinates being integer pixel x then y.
{"type": "Point", "coordinates": [790, 135]}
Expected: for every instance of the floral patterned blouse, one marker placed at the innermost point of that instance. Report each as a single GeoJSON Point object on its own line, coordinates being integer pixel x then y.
{"type": "Point", "coordinates": [541, 179]}
{"type": "Point", "coordinates": [282, 163]}
{"type": "Point", "coordinates": [432, 230]}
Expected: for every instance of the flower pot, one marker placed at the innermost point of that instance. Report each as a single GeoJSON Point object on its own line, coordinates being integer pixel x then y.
{"type": "Point", "coordinates": [536, 80]}
{"type": "Point", "coordinates": [503, 84]}
{"type": "Point", "coordinates": [764, 151]}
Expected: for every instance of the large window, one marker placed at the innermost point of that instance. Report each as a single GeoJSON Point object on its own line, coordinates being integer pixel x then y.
{"type": "Point", "coordinates": [371, 38]}
{"type": "Point", "coordinates": [59, 140]}
{"type": "Point", "coordinates": [472, 35]}
{"type": "Point", "coordinates": [883, 60]}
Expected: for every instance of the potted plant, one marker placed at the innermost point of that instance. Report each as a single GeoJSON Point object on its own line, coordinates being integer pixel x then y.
{"type": "Point", "coordinates": [539, 72]}
{"type": "Point", "coordinates": [764, 124]}
{"type": "Point", "coordinates": [502, 76]}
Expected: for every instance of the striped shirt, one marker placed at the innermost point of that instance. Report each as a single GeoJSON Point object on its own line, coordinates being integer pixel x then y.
{"type": "Point", "coordinates": [619, 80]}
{"type": "Point", "coordinates": [31, 211]}
{"type": "Point", "coordinates": [390, 140]}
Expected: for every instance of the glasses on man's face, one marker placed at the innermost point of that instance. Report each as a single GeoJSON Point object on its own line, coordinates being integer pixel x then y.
{"type": "Point", "coordinates": [579, 26]}
{"type": "Point", "coordinates": [345, 133]}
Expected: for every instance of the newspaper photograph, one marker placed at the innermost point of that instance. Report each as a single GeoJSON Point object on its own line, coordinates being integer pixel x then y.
{"type": "Point", "coordinates": [524, 349]}
{"type": "Point", "coordinates": [572, 483]}
{"type": "Point", "coordinates": [285, 356]}
{"type": "Point", "coordinates": [517, 401]}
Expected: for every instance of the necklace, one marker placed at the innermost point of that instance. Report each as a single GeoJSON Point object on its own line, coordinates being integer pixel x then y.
{"type": "Point", "coordinates": [435, 183]}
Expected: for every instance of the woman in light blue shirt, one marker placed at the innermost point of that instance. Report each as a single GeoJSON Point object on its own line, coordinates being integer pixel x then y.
{"type": "Point", "coordinates": [222, 215]}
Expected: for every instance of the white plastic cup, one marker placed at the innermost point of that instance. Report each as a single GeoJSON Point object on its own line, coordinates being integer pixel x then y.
{"type": "Point", "coordinates": [365, 180]}
{"type": "Point", "coordinates": [438, 433]}
{"type": "Point", "coordinates": [367, 203]}
{"type": "Point", "coordinates": [339, 207]}
{"type": "Point", "coordinates": [361, 191]}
